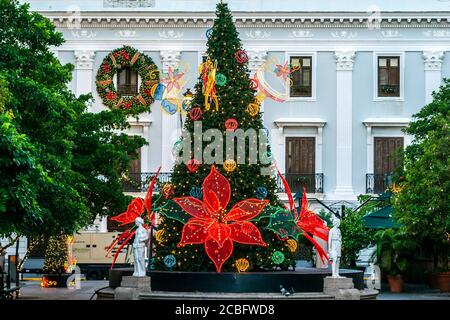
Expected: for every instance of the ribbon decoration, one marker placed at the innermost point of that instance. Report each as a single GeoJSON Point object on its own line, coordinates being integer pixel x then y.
{"type": "Point", "coordinates": [208, 75]}
{"type": "Point", "coordinates": [308, 221]}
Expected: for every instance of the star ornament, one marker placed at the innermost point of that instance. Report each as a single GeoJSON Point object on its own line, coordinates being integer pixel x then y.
{"type": "Point", "coordinates": [284, 70]}
{"type": "Point", "coordinates": [172, 80]}
{"type": "Point", "coordinates": [214, 226]}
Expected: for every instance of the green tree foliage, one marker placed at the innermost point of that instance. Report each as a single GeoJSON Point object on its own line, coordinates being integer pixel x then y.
{"type": "Point", "coordinates": [355, 236]}
{"type": "Point", "coordinates": [423, 205]}
{"type": "Point", "coordinates": [234, 97]}
{"type": "Point", "coordinates": [60, 166]}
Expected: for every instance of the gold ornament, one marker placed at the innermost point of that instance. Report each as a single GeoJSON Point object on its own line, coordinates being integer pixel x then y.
{"type": "Point", "coordinates": [242, 264]}
{"type": "Point", "coordinates": [167, 190]}
{"type": "Point", "coordinates": [160, 236]}
{"type": "Point", "coordinates": [292, 245]}
{"type": "Point", "coordinates": [253, 109]}
{"type": "Point", "coordinates": [229, 165]}
{"type": "Point", "coordinates": [396, 188]}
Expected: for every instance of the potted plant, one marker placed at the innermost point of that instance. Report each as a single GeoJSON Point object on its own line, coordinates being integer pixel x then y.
{"type": "Point", "coordinates": [393, 252]}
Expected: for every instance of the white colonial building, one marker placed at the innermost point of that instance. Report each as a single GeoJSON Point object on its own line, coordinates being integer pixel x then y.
{"type": "Point", "coordinates": [367, 67]}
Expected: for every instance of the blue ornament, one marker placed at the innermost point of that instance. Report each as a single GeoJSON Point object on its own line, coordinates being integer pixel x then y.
{"type": "Point", "coordinates": [208, 32]}
{"type": "Point", "coordinates": [196, 192]}
{"type": "Point", "coordinates": [170, 261]}
{"type": "Point", "coordinates": [169, 107]}
{"type": "Point", "coordinates": [261, 192]}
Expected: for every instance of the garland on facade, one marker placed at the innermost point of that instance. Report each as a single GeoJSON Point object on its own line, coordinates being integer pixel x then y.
{"type": "Point", "coordinates": [148, 73]}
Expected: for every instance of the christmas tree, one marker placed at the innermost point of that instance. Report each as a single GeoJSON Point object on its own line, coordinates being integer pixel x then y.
{"type": "Point", "coordinates": [224, 99]}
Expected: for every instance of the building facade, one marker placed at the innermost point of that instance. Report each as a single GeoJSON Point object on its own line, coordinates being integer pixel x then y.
{"type": "Point", "coordinates": [367, 67]}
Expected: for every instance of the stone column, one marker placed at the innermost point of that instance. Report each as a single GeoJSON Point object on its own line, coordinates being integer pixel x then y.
{"type": "Point", "coordinates": [256, 59]}
{"type": "Point", "coordinates": [169, 133]}
{"type": "Point", "coordinates": [433, 76]}
{"type": "Point", "coordinates": [84, 64]}
{"type": "Point", "coordinates": [344, 78]}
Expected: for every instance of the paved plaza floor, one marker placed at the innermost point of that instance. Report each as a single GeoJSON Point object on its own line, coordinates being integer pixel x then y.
{"type": "Point", "coordinates": [33, 291]}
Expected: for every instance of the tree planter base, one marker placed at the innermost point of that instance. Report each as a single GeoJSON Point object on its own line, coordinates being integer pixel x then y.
{"type": "Point", "coordinates": [55, 280]}
{"type": "Point", "coordinates": [303, 280]}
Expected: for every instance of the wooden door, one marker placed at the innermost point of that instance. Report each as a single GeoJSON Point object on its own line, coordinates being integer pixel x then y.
{"type": "Point", "coordinates": [301, 162]}
{"type": "Point", "coordinates": [386, 160]}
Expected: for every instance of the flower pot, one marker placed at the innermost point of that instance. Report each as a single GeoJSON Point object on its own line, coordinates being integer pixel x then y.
{"type": "Point", "coordinates": [396, 283]}
{"type": "Point", "coordinates": [443, 281]}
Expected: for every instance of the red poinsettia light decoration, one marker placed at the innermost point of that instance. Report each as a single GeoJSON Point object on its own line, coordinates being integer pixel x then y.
{"type": "Point", "coordinates": [216, 227]}
{"type": "Point", "coordinates": [135, 209]}
{"type": "Point", "coordinates": [308, 221]}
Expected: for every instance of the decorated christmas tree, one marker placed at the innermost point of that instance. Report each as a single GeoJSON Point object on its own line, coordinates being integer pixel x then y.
{"type": "Point", "coordinates": [237, 189]}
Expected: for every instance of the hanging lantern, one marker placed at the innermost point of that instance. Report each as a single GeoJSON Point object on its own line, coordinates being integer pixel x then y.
{"type": "Point", "coordinates": [241, 56]}
{"type": "Point", "coordinates": [242, 265]}
{"type": "Point", "coordinates": [229, 165]}
{"type": "Point", "coordinates": [253, 109]}
{"type": "Point", "coordinates": [195, 113]}
{"type": "Point", "coordinates": [193, 165]}
{"type": "Point", "coordinates": [292, 245]}
{"type": "Point", "coordinates": [231, 124]}
{"type": "Point", "coordinates": [187, 99]}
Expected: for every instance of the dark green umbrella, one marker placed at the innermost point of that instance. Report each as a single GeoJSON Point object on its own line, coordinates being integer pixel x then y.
{"type": "Point", "coordinates": [380, 219]}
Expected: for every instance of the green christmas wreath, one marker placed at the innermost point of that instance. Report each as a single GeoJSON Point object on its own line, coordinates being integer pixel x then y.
{"type": "Point", "coordinates": [147, 70]}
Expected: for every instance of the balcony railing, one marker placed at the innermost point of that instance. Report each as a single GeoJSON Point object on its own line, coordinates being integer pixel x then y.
{"type": "Point", "coordinates": [313, 182]}
{"type": "Point", "coordinates": [139, 182]}
{"type": "Point", "coordinates": [378, 183]}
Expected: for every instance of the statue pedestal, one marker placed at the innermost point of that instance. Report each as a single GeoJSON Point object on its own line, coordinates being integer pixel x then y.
{"type": "Point", "coordinates": [340, 288]}
{"type": "Point", "coordinates": [131, 287]}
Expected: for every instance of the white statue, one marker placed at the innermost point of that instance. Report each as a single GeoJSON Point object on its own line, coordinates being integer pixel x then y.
{"type": "Point", "coordinates": [334, 248]}
{"type": "Point", "coordinates": [139, 244]}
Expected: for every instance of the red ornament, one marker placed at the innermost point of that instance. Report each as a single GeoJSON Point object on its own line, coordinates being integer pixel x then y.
{"type": "Point", "coordinates": [241, 56]}
{"type": "Point", "coordinates": [215, 227]}
{"type": "Point", "coordinates": [111, 96]}
{"type": "Point", "coordinates": [127, 104]}
{"type": "Point", "coordinates": [254, 84]}
{"type": "Point", "coordinates": [308, 221]}
{"type": "Point", "coordinates": [106, 68]}
{"type": "Point", "coordinates": [135, 209]}
{"type": "Point", "coordinates": [231, 124]}
{"type": "Point", "coordinates": [192, 165]}
{"type": "Point", "coordinates": [195, 113]}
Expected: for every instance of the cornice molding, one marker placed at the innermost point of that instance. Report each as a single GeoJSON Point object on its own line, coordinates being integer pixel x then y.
{"type": "Point", "coordinates": [127, 19]}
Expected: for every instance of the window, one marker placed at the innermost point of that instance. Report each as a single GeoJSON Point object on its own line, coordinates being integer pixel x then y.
{"type": "Point", "coordinates": [127, 81]}
{"type": "Point", "coordinates": [302, 78]}
{"type": "Point", "coordinates": [389, 76]}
